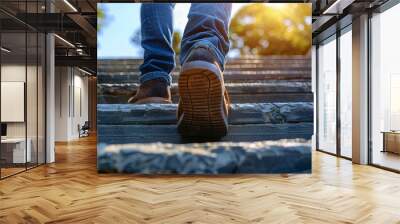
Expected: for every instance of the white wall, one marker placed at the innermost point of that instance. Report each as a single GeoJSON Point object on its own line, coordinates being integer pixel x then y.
{"type": "Point", "coordinates": [70, 83]}
{"type": "Point", "coordinates": [33, 126]}
{"type": "Point", "coordinates": [62, 81]}
{"type": "Point", "coordinates": [79, 115]}
{"type": "Point", "coordinates": [12, 73]}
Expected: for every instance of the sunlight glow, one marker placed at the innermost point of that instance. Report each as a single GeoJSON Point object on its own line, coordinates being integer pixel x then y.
{"type": "Point", "coordinates": [280, 6]}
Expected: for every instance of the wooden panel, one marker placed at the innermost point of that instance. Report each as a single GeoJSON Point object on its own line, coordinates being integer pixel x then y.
{"type": "Point", "coordinates": [392, 142]}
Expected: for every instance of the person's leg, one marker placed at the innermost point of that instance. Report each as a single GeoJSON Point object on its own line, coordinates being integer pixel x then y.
{"type": "Point", "coordinates": [208, 26]}
{"type": "Point", "coordinates": [157, 28]}
{"type": "Point", "coordinates": [159, 56]}
{"type": "Point", "coordinates": [203, 105]}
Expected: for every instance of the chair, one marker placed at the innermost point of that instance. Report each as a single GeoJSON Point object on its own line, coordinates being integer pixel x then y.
{"type": "Point", "coordinates": [84, 130]}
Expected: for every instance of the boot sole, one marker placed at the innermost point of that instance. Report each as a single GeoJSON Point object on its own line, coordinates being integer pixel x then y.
{"type": "Point", "coordinates": [202, 101]}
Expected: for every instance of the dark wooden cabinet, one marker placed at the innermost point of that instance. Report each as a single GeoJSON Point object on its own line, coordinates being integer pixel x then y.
{"type": "Point", "coordinates": [391, 141]}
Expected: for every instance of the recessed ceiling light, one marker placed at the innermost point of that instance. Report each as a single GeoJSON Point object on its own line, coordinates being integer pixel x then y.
{"type": "Point", "coordinates": [5, 50]}
{"type": "Point", "coordinates": [65, 41]}
{"type": "Point", "coordinates": [70, 5]}
{"type": "Point", "coordinates": [338, 6]}
{"type": "Point", "coordinates": [86, 72]}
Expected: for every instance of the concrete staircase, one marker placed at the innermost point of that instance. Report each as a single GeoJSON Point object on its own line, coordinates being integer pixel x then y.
{"type": "Point", "coordinates": [271, 120]}
{"type": "Point", "coordinates": [273, 79]}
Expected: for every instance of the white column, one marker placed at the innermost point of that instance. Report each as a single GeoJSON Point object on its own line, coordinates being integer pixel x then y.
{"type": "Point", "coordinates": [50, 100]}
{"type": "Point", "coordinates": [62, 103]}
{"type": "Point", "coordinates": [50, 92]}
{"type": "Point", "coordinates": [360, 90]}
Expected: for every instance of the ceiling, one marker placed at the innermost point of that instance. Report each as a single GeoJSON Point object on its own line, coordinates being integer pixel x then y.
{"type": "Point", "coordinates": [74, 22]}
{"type": "Point", "coordinates": [331, 15]}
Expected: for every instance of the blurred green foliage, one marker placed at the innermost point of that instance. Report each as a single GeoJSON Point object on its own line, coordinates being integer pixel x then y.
{"type": "Point", "coordinates": [100, 18]}
{"type": "Point", "coordinates": [272, 29]}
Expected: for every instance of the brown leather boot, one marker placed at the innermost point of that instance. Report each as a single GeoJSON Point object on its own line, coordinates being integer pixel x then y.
{"type": "Point", "coordinates": [204, 104]}
{"type": "Point", "coordinates": [152, 91]}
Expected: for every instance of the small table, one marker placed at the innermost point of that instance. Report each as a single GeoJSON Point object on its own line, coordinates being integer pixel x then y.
{"type": "Point", "coordinates": [391, 141]}
{"type": "Point", "coordinates": [16, 147]}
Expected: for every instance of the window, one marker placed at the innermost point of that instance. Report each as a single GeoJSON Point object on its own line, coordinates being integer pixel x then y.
{"type": "Point", "coordinates": [327, 96]}
{"type": "Point", "coordinates": [346, 93]}
{"type": "Point", "coordinates": [385, 89]}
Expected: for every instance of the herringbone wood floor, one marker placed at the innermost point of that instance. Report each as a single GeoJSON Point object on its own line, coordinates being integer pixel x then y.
{"type": "Point", "coordinates": [71, 191]}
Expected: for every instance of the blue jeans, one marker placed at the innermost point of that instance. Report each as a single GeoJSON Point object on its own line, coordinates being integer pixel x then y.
{"type": "Point", "coordinates": [207, 26]}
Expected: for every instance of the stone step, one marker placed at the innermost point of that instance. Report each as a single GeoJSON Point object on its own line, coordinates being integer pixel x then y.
{"type": "Point", "coordinates": [235, 98]}
{"type": "Point", "coordinates": [276, 72]}
{"type": "Point", "coordinates": [121, 134]}
{"type": "Point", "coordinates": [228, 68]}
{"type": "Point", "coordinates": [229, 61]}
{"type": "Point", "coordinates": [261, 67]}
{"type": "Point", "coordinates": [243, 76]}
{"type": "Point", "coordinates": [238, 92]}
{"type": "Point", "coordinates": [267, 60]}
{"type": "Point", "coordinates": [255, 58]}
{"type": "Point", "coordinates": [157, 114]}
{"type": "Point", "coordinates": [284, 156]}
{"type": "Point", "coordinates": [232, 88]}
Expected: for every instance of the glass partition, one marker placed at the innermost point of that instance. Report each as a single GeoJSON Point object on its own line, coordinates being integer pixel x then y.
{"type": "Point", "coordinates": [327, 96]}
{"type": "Point", "coordinates": [346, 93]}
{"type": "Point", "coordinates": [385, 90]}
{"type": "Point", "coordinates": [31, 97]}
{"type": "Point", "coordinates": [22, 92]}
{"type": "Point", "coordinates": [13, 92]}
{"type": "Point", "coordinates": [41, 97]}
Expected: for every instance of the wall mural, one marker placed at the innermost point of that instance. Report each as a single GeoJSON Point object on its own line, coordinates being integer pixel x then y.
{"type": "Point", "coordinates": [225, 90]}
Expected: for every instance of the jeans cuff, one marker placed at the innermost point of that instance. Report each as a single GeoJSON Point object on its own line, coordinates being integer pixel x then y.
{"type": "Point", "coordinates": [156, 75]}
{"type": "Point", "coordinates": [211, 47]}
